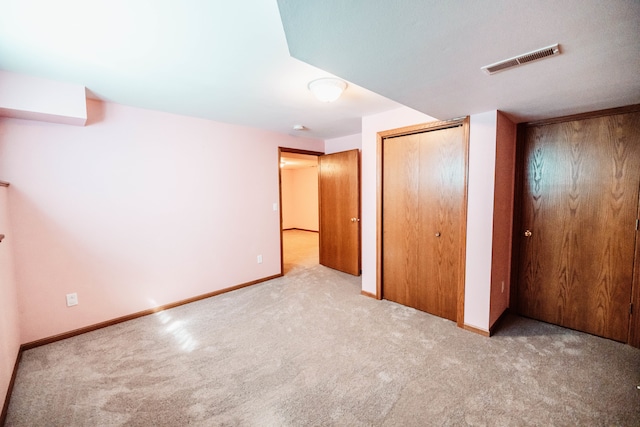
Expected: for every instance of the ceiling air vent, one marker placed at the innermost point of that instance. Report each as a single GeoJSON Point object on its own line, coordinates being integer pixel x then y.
{"type": "Point", "coordinates": [522, 59]}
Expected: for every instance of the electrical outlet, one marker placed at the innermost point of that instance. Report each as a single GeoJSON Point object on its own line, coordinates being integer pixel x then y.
{"type": "Point", "coordinates": [72, 299]}
{"type": "Point", "coordinates": [259, 259]}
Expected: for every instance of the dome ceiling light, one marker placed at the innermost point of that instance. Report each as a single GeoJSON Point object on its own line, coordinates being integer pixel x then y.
{"type": "Point", "coordinates": [327, 89]}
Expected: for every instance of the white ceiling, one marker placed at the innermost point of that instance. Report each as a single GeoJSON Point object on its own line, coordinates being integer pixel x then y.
{"type": "Point", "coordinates": [218, 59]}
{"type": "Point", "coordinates": [229, 60]}
{"type": "Point", "coordinates": [427, 54]}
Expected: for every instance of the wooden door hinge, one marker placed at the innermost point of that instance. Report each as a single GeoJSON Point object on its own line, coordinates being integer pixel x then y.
{"type": "Point", "coordinates": [637, 224]}
{"type": "Point", "coordinates": [631, 308]}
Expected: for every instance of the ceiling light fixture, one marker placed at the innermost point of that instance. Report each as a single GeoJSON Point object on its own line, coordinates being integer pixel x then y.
{"type": "Point", "coordinates": [327, 89]}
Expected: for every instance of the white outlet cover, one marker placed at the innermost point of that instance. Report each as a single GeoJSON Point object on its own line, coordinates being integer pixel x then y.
{"type": "Point", "coordinates": [72, 299]}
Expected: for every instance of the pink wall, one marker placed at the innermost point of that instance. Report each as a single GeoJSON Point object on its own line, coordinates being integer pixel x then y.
{"type": "Point", "coordinates": [300, 198]}
{"type": "Point", "coordinates": [306, 196]}
{"type": "Point", "coordinates": [9, 326]}
{"type": "Point", "coordinates": [135, 210]}
{"type": "Point", "coordinates": [489, 218]}
{"type": "Point", "coordinates": [480, 196]}
{"type": "Point", "coordinates": [288, 199]}
{"type": "Point", "coordinates": [345, 143]}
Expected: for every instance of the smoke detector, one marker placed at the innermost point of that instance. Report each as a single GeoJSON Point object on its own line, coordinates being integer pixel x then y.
{"type": "Point", "coordinates": [525, 58]}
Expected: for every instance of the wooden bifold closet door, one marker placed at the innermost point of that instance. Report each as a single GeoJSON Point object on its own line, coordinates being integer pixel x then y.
{"type": "Point", "coordinates": [424, 176]}
{"type": "Point", "coordinates": [579, 210]}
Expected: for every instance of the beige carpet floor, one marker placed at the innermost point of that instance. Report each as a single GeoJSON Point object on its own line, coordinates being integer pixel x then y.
{"type": "Point", "coordinates": [308, 350]}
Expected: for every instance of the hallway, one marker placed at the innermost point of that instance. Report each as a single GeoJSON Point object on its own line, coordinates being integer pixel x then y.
{"type": "Point", "coordinates": [300, 249]}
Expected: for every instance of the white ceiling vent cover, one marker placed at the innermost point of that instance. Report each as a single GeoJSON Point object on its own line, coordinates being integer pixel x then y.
{"type": "Point", "coordinates": [522, 59]}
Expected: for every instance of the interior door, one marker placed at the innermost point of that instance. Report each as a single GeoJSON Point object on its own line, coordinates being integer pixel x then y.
{"type": "Point", "coordinates": [423, 217]}
{"type": "Point", "coordinates": [339, 194]}
{"type": "Point", "coordinates": [579, 205]}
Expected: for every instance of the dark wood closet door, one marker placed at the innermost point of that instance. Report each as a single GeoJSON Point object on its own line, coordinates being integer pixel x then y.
{"type": "Point", "coordinates": [580, 199]}
{"type": "Point", "coordinates": [423, 208]}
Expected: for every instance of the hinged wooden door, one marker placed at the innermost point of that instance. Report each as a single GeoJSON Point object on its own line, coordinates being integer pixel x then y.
{"type": "Point", "coordinates": [339, 194]}
{"type": "Point", "coordinates": [579, 206]}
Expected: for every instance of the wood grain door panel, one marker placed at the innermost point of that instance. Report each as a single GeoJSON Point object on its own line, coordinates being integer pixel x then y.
{"type": "Point", "coordinates": [339, 204]}
{"type": "Point", "coordinates": [423, 207]}
{"type": "Point", "coordinates": [580, 199]}
{"type": "Point", "coordinates": [401, 220]}
{"type": "Point", "coordinates": [442, 175]}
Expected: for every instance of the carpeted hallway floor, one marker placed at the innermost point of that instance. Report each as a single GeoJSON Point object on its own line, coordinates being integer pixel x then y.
{"type": "Point", "coordinates": [300, 249]}
{"type": "Point", "coordinates": [308, 350]}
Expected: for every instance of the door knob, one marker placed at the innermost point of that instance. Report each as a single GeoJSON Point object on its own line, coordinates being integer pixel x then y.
{"type": "Point", "coordinates": [438, 234]}
{"type": "Point", "coordinates": [355, 219]}
{"type": "Point", "coordinates": [527, 233]}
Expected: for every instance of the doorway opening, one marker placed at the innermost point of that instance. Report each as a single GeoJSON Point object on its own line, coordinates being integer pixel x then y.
{"type": "Point", "coordinates": [337, 192]}
{"type": "Point", "coordinates": [299, 213]}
